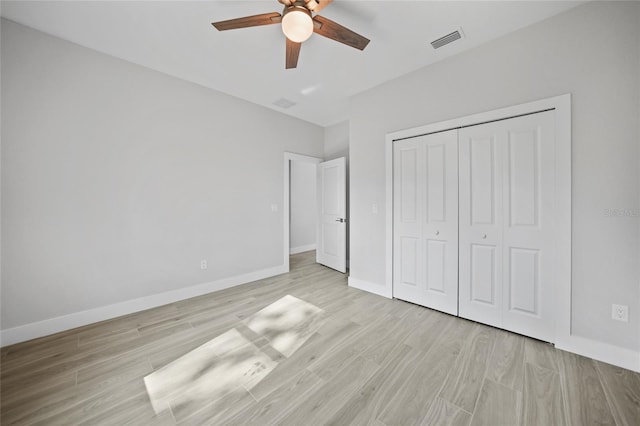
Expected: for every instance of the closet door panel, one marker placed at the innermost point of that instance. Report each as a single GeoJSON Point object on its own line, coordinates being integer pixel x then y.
{"type": "Point", "coordinates": [484, 275]}
{"type": "Point", "coordinates": [523, 281]}
{"type": "Point", "coordinates": [440, 227]}
{"type": "Point", "coordinates": [436, 262]}
{"type": "Point", "coordinates": [409, 261]}
{"type": "Point", "coordinates": [408, 271]}
{"type": "Point", "coordinates": [426, 221]}
{"type": "Point", "coordinates": [506, 224]}
{"type": "Point", "coordinates": [480, 171]}
{"type": "Point", "coordinates": [529, 181]}
{"type": "Point", "coordinates": [435, 184]}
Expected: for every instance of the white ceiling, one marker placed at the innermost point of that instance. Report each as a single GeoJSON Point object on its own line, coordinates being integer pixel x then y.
{"type": "Point", "coordinates": [175, 37]}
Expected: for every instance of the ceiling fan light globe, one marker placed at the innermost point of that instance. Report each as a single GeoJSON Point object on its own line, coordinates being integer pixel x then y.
{"type": "Point", "coordinates": [297, 25]}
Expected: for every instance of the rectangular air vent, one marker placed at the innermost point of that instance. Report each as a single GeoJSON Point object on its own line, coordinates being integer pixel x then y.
{"type": "Point", "coordinates": [449, 38]}
{"type": "Point", "coordinates": [284, 103]}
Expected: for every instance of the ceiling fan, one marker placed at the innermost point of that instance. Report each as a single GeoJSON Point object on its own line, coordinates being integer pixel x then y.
{"type": "Point", "coordinates": [299, 20]}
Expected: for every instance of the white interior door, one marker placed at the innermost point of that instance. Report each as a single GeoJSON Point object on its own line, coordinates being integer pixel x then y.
{"type": "Point", "coordinates": [331, 248]}
{"type": "Point", "coordinates": [426, 221]}
{"type": "Point", "coordinates": [507, 178]}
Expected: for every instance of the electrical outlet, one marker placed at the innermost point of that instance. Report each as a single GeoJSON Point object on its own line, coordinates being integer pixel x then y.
{"type": "Point", "coordinates": [203, 264]}
{"type": "Point", "coordinates": [620, 313]}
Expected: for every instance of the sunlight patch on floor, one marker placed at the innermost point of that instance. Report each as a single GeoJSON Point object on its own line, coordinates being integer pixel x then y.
{"type": "Point", "coordinates": [231, 360]}
{"type": "Point", "coordinates": [209, 372]}
{"type": "Point", "coordinates": [287, 323]}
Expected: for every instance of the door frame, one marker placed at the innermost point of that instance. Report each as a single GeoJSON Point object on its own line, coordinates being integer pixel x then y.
{"type": "Point", "coordinates": [561, 105]}
{"type": "Point", "coordinates": [286, 205]}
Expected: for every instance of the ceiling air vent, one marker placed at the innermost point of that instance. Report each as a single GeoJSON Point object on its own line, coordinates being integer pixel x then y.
{"type": "Point", "coordinates": [449, 38]}
{"type": "Point", "coordinates": [284, 103]}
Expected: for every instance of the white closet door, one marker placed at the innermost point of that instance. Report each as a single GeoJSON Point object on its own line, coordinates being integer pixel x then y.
{"type": "Point", "coordinates": [506, 234]}
{"type": "Point", "coordinates": [481, 223]}
{"type": "Point", "coordinates": [426, 221]}
{"type": "Point", "coordinates": [529, 180]}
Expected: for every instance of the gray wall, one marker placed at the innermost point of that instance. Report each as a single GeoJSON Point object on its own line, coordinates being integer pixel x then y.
{"type": "Point", "coordinates": [336, 141]}
{"type": "Point", "coordinates": [591, 52]}
{"type": "Point", "coordinates": [302, 231]}
{"type": "Point", "coordinates": [117, 180]}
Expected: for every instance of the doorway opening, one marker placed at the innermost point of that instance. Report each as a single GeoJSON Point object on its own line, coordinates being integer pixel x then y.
{"type": "Point", "coordinates": [300, 209]}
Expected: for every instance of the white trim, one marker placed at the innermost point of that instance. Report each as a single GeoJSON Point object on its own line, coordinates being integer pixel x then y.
{"type": "Point", "coordinates": [389, 215]}
{"type": "Point", "coordinates": [615, 355]}
{"type": "Point", "coordinates": [286, 204]}
{"type": "Point", "coordinates": [369, 287]}
{"type": "Point", "coordinates": [302, 249]}
{"type": "Point", "coordinates": [78, 319]}
{"type": "Point", "coordinates": [556, 102]}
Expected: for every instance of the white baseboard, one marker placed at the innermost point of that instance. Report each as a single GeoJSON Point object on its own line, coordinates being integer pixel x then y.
{"type": "Point", "coordinates": [302, 249]}
{"type": "Point", "coordinates": [78, 319]}
{"type": "Point", "coordinates": [370, 287]}
{"type": "Point", "coordinates": [605, 352]}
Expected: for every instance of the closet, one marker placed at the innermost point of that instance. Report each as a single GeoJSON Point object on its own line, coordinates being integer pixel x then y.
{"type": "Point", "coordinates": [473, 222]}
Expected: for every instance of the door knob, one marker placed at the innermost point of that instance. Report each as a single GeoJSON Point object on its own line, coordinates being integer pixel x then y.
{"type": "Point", "coordinates": [437, 232]}
{"type": "Point", "coordinates": [341, 220]}
{"type": "Point", "coordinates": [484, 236]}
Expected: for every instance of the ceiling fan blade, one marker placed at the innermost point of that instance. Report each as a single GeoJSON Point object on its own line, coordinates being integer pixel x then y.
{"type": "Point", "coordinates": [317, 5]}
{"type": "Point", "coordinates": [327, 28]}
{"type": "Point", "coordinates": [248, 21]}
{"type": "Point", "coordinates": [293, 52]}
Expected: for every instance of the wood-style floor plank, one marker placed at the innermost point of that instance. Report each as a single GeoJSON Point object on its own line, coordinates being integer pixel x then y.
{"type": "Point", "coordinates": [373, 360]}
{"type": "Point", "coordinates": [443, 413]}
{"type": "Point", "coordinates": [506, 365]}
{"type": "Point", "coordinates": [411, 404]}
{"type": "Point", "coordinates": [622, 388]}
{"type": "Point", "coordinates": [330, 362]}
{"type": "Point", "coordinates": [583, 392]}
{"type": "Point", "coordinates": [331, 396]}
{"type": "Point", "coordinates": [423, 337]}
{"type": "Point", "coordinates": [542, 402]}
{"type": "Point", "coordinates": [85, 407]}
{"type": "Point", "coordinates": [364, 406]}
{"type": "Point", "coordinates": [388, 341]}
{"type": "Point", "coordinates": [314, 348]}
{"type": "Point", "coordinates": [218, 411]}
{"type": "Point", "coordinates": [16, 404]}
{"type": "Point", "coordinates": [497, 405]}
{"type": "Point", "coordinates": [541, 354]}
{"type": "Point", "coordinates": [465, 379]}
{"type": "Point", "coordinates": [279, 403]}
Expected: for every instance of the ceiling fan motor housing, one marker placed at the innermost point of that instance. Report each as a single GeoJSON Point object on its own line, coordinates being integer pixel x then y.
{"type": "Point", "coordinates": [297, 23]}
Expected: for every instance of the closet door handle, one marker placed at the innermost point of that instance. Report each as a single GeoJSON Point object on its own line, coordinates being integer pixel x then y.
{"type": "Point", "coordinates": [484, 236]}
{"type": "Point", "coordinates": [437, 232]}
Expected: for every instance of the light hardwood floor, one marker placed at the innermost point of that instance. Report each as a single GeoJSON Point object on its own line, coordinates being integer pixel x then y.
{"type": "Point", "coordinates": [372, 361]}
